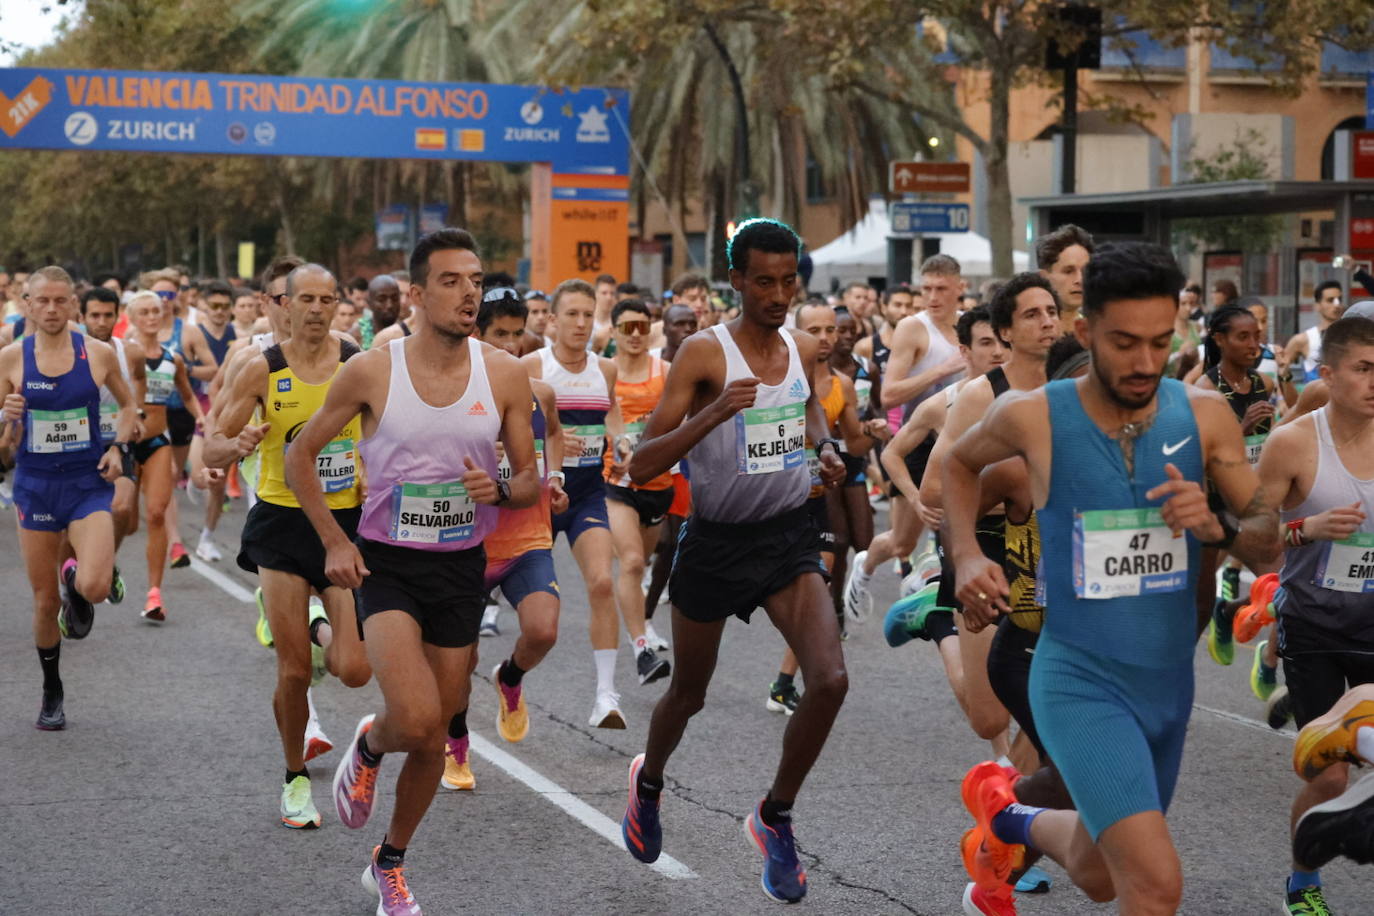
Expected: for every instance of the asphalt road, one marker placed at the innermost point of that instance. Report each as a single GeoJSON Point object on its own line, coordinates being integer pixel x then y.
{"type": "Point", "coordinates": [161, 795]}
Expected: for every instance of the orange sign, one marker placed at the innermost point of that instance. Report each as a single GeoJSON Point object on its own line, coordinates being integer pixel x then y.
{"type": "Point", "coordinates": [18, 111]}
{"type": "Point", "coordinates": [915, 177]}
{"type": "Point", "coordinates": [589, 238]}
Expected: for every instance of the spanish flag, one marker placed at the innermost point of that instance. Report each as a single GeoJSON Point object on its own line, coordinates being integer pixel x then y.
{"type": "Point", "coordinates": [430, 138]}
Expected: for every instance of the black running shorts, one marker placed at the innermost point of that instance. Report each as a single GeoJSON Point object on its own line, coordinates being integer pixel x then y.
{"type": "Point", "coordinates": [652, 505]}
{"type": "Point", "coordinates": [442, 590]}
{"type": "Point", "coordinates": [282, 538]}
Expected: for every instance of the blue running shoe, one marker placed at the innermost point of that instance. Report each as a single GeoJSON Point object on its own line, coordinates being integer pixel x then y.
{"type": "Point", "coordinates": [783, 879]}
{"type": "Point", "coordinates": [906, 620]}
{"type": "Point", "coordinates": [1035, 881]}
{"type": "Point", "coordinates": [639, 827]}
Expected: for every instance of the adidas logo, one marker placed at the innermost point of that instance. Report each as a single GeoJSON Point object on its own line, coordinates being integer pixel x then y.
{"type": "Point", "coordinates": [798, 389]}
{"type": "Point", "coordinates": [477, 410]}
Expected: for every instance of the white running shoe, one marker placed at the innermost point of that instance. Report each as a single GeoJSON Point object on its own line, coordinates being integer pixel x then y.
{"type": "Point", "coordinates": [606, 713]}
{"type": "Point", "coordinates": [858, 601]}
{"type": "Point", "coordinates": [656, 642]}
{"type": "Point", "coordinates": [489, 615]}
{"type": "Point", "coordinates": [316, 742]}
{"type": "Point", "coordinates": [207, 551]}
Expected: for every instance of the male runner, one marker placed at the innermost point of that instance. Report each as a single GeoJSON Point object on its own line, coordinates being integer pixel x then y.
{"type": "Point", "coordinates": [433, 406]}
{"type": "Point", "coordinates": [1303, 353]}
{"type": "Point", "coordinates": [50, 387]}
{"type": "Point", "coordinates": [1343, 826]}
{"type": "Point", "coordinates": [583, 383]}
{"type": "Point", "coordinates": [288, 384]}
{"type": "Point", "coordinates": [739, 399]}
{"type": "Point", "coordinates": [1320, 469]}
{"type": "Point", "coordinates": [925, 351]}
{"type": "Point", "coordinates": [1111, 683]}
{"type": "Point", "coordinates": [211, 339]}
{"type": "Point", "coordinates": [519, 550]}
{"type": "Point", "coordinates": [1061, 257]}
{"type": "Point", "coordinates": [538, 305]}
{"type": "Point", "coordinates": [383, 309]}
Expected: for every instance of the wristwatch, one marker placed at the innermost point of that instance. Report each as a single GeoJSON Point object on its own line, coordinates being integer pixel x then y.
{"type": "Point", "coordinates": [1228, 532]}
{"type": "Point", "coordinates": [502, 492]}
{"type": "Point", "coordinates": [559, 476]}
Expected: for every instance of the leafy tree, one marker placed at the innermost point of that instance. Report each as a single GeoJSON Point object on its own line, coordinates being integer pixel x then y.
{"type": "Point", "coordinates": [1245, 158]}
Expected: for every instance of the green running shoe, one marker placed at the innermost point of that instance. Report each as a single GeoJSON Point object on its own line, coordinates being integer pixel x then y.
{"type": "Point", "coordinates": [317, 666]}
{"type": "Point", "coordinates": [1220, 645]}
{"type": "Point", "coordinates": [1230, 583]}
{"type": "Point", "coordinates": [1307, 901]}
{"type": "Point", "coordinates": [116, 587]}
{"type": "Point", "coordinates": [262, 630]}
{"type": "Point", "coordinates": [297, 807]}
{"type": "Point", "coordinates": [1263, 679]}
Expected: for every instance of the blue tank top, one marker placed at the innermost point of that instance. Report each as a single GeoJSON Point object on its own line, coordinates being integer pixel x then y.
{"type": "Point", "coordinates": [61, 416]}
{"type": "Point", "coordinates": [218, 348]}
{"type": "Point", "coordinates": [1110, 551]}
{"type": "Point", "coordinates": [174, 344]}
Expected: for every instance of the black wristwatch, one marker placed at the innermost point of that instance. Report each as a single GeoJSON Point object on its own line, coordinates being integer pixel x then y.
{"type": "Point", "coordinates": [1228, 533]}
{"type": "Point", "coordinates": [126, 457]}
{"type": "Point", "coordinates": [833, 443]}
{"type": "Point", "coordinates": [502, 492]}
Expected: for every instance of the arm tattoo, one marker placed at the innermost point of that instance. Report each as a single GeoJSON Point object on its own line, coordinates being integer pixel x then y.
{"type": "Point", "coordinates": [1259, 509]}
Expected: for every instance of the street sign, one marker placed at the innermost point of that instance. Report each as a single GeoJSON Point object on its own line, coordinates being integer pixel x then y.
{"type": "Point", "coordinates": [915, 177]}
{"type": "Point", "coordinates": [917, 218]}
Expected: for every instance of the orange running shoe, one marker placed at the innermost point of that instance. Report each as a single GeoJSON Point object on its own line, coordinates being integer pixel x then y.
{"type": "Point", "coordinates": [986, 790]}
{"type": "Point", "coordinates": [1259, 613]}
{"type": "Point", "coordinates": [231, 483]}
{"type": "Point", "coordinates": [153, 611]}
{"type": "Point", "coordinates": [981, 902]}
{"type": "Point", "coordinates": [1330, 739]}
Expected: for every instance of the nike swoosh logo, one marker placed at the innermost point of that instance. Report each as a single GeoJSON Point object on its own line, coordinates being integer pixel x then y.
{"type": "Point", "coordinates": [1170, 449]}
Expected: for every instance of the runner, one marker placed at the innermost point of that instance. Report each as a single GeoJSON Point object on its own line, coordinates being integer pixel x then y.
{"type": "Point", "coordinates": [538, 305]}
{"type": "Point", "coordinates": [519, 550]}
{"type": "Point", "coordinates": [287, 384]}
{"type": "Point", "coordinates": [1061, 257]}
{"type": "Point", "coordinates": [1343, 826]}
{"type": "Point", "coordinates": [636, 512]}
{"type": "Point", "coordinates": [739, 400]}
{"type": "Point", "coordinates": [1303, 353]}
{"type": "Point", "coordinates": [166, 374]}
{"type": "Point", "coordinates": [1320, 469]}
{"type": "Point", "coordinates": [50, 387]}
{"type": "Point", "coordinates": [1111, 683]}
{"type": "Point", "coordinates": [180, 421]}
{"type": "Point", "coordinates": [210, 339]}
{"type": "Point", "coordinates": [583, 382]}
{"type": "Point", "coordinates": [383, 309]}
{"type": "Point", "coordinates": [418, 562]}
{"type": "Point", "coordinates": [100, 312]}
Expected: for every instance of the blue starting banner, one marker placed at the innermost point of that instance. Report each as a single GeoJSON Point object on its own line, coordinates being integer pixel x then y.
{"type": "Point", "coordinates": [579, 131]}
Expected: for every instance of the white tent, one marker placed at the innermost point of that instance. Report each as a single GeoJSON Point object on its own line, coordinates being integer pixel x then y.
{"type": "Point", "coordinates": [861, 252]}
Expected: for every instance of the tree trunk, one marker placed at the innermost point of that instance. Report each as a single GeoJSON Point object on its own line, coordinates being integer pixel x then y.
{"type": "Point", "coordinates": [222, 253]}
{"type": "Point", "coordinates": [288, 232]}
{"type": "Point", "coordinates": [998, 175]}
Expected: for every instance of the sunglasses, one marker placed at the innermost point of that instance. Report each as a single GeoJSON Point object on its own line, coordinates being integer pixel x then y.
{"type": "Point", "coordinates": [166, 294]}
{"type": "Point", "coordinates": [497, 293]}
{"type": "Point", "coordinates": [633, 327]}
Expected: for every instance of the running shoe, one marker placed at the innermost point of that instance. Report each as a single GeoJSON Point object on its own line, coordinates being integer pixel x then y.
{"type": "Point", "coordinates": [606, 713]}
{"type": "Point", "coordinates": [297, 807]}
{"type": "Point", "coordinates": [318, 669]}
{"type": "Point", "coordinates": [1330, 738]}
{"type": "Point", "coordinates": [457, 771]}
{"type": "Point", "coordinates": [1263, 679]}
{"type": "Point", "coordinates": [783, 878]}
{"type": "Point", "coordinates": [640, 828]}
{"type": "Point", "coordinates": [783, 699]}
{"type": "Point", "coordinates": [1220, 643]}
{"type": "Point", "coordinates": [1228, 578]}
{"type": "Point", "coordinates": [1307, 901]}
{"type": "Point", "coordinates": [153, 611]}
{"type": "Point", "coordinates": [1035, 880]}
{"type": "Point", "coordinates": [1343, 826]}
{"type": "Point", "coordinates": [906, 619]}
{"type": "Point", "coordinates": [983, 902]}
{"type": "Point", "coordinates": [51, 718]}
{"type": "Point", "coordinates": [656, 642]}
{"type": "Point", "coordinates": [194, 495]}
{"type": "Point", "coordinates": [76, 614]}
{"type": "Point", "coordinates": [1278, 712]}
{"type": "Point", "coordinates": [1259, 613]}
{"type": "Point", "coordinates": [262, 630]}
{"type": "Point", "coordinates": [317, 743]}
{"type": "Point", "coordinates": [180, 558]}
{"type": "Point", "coordinates": [651, 667]}
{"type": "Point", "coordinates": [389, 884]}
{"type": "Point", "coordinates": [355, 783]}
{"type": "Point", "coordinates": [207, 550]}
{"type": "Point", "coordinates": [986, 790]}
{"type": "Point", "coordinates": [489, 615]}
{"type": "Point", "coordinates": [232, 490]}
{"type": "Point", "coordinates": [116, 595]}
{"type": "Point", "coordinates": [512, 718]}
{"type": "Point", "coordinates": [858, 601]}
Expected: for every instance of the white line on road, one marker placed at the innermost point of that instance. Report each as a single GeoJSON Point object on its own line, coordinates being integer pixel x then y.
{"type": "Point", "coordinates": [584, 813]}
{"type": "Point", "coordinates": [224, 582]}
{"type": "Point", "coordinates": [1247, 722]}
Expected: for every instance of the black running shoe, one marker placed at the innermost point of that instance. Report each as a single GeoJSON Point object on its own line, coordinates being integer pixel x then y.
{"type": "Point", "coordinates": [77, 614]}
{"type": "Point", "coordinates": [1343, 826]}
{"type": "Point", "coordinates": [50, 715]}
{"type": "Point", "coordinates": [651, 667]}
{"type": "Point", "coordinates": [783, 699]}
{"type": "Point", "coordinates": [1279, 709]}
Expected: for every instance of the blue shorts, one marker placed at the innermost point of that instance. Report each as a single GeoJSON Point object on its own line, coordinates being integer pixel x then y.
{"type": "Point", "coordinates": [522, 576]}
{"type": "Point", "coordinates": [1114, 730]}
{"type": "Point", "coordinates": [586, 504]}
{"type": "Point", "coordinates": [53, 503]}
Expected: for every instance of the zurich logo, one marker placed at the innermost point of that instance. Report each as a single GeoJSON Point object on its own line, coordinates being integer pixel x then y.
{"type": "Point", "coordinates": [798, 389]}
{"type": "Point", "coordinates": [80, 128]}
{"type": "Point", "coordinates": [531, 112]}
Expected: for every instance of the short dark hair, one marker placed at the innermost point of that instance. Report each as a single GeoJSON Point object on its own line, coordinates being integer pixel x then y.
{"type": "Point", "coordinates": [1060, 362]}
{"type": "Point", "coordinates": [766, 235]}
{"type": "Point", "coordinates": [357, 285]}
{"type": "Point", "coordinates": [891, 291]}
{"type": "Point", "coordinates": [1002, 308]}
{"type": "Point", "coordinates": [446, 239]}
{"type": "Point", "coordinates": [104, 294]}
{"type": "Point", "coordinates": [1323, 287]}
{"type": "Point", "coordinates": [1049, 247]}
{"type": "Point", "coordinates": [1343, 334]}
{"type": "Point", "coordinates": [500, 302]}
{"type": "Point", "coordinates": [941, 265]}
{"type": "Point", "coordinates": [497, 279]}
{"type": "Point", "coordinates": [626, 289]}
{"type": "Point", "coordinates": [689, 281]}
{"type": "Point", "coordinates": [854, 284]}
{"type": "Point", "coordinates": [632, 304]}
{"type": "Point", "coordinates": [1228, 289]}
{"type": "Point", "coordinates": [280, 267]}
{"type": "Point", "coordinates": [1194, 289]}
{"type": "Point", "coordinates": [1220, 323]}
{"type": "Point", "coordinates": [605, 278]}
{"type": "Point", "coordinates": [573, 285]}
{"type": "Point", "coordinates": [963, 328]}
{"type": "Point", "coordinates": [217, 288]}
{"type": "Point", "coordinates": [103, 278]}
{"type": "Point", "coordinates": [1129, 270]}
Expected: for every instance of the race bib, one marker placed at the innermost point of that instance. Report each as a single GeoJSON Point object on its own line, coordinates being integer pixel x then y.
{"type": "Point", "coordinates": [1123, 553]}
{"type": "Point", "coordinates": [431, 513]}
{"type": "Point", "coordinates": [813, 466]}
{"type": "Point", "coordinates": [54, 431]}
{"type": "Point", "coordinates": [160, 387]}
{"type": "Point", "coordinates": [863, 390]}
{"type": "Point", "coordinates": [1348, 565]}
{"type": "Point", "coordinates": [337, 466]}
{"type": "Point", "coordinates": [1253, 446]}
{"type": "Point", "coordinates": [503, 468]}
{"type": "Point", "coordinates": [771, 439]}
{"type": "Point", "coordinates": [109, 414]}
{"type": "Point", "coordinates": [584, 446]}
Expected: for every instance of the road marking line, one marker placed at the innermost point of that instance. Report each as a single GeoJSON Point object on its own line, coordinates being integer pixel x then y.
{"type": "Point", "coordinates": [1247, 722]}
{"type": "Point", "coordinates": [582, 812]}
{"type": "Point", "coordinates": [224, 582]}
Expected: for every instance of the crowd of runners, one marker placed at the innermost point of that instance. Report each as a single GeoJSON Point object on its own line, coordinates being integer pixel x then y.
{"type": "Point", "coordinates": [1084, 471]}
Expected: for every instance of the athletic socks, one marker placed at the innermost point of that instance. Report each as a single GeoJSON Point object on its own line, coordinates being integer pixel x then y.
{"type": "Point", "coordinates": [389, 856]}
{"type": "Point", "coordinates": [1013, 823]}
{"type": "Point", "coordinates": [784, 680]}
{"type": "Point", "coordinates": [49, 658]}
{"type": "Point", "coordinates": [648, 789]}
{"type": "Point", "coordinates": [369, 758]}
{"type": "Point", "coordinates": [315, 631]}
{"type": "Point", "coordinates": [775, 812]}
{"type": "Point", "coordinates": [292, 774]}
{"type": "Point", "coordinates": [458, 725]}
{"type": "Point", "coordinates": [605, 670]}
{"type": "Point", "coordinates": [1300, 879]}
{"type": "Point", "coordinates": [511, 673]}
{"type": "Point", "coordinates": [940, 626]}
